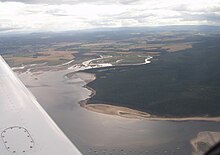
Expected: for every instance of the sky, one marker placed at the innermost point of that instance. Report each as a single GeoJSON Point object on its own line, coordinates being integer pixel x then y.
{"type": "Point", "coordinates": [64, 15]}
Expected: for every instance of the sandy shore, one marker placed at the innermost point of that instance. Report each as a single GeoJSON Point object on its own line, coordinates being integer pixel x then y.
{"type": "Point", "coordinates": [115, 110]}
{"type": "Point", "coordinates": [135, 114]}
{"type": "Point", "coordinates": [204, 141]}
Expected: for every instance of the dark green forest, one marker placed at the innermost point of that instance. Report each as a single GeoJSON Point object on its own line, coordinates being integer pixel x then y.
{"type": "Point", "coordinates": [180, 84]}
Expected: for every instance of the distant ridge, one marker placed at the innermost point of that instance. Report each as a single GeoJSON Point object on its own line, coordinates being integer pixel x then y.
{"type": "Point", "coordinates": [134, 29]}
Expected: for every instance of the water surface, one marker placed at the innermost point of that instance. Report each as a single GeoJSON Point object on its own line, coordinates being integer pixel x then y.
{"type": "Point", "coordinates": [95, 133]}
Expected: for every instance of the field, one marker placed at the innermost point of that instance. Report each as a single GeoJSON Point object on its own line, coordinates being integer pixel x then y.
{"type": "Point", "coordinates": [51, 57]}
{"type": "Point", "coordinates": [167, 72]}
{"type": "Point", "coordinates": [129, 46]}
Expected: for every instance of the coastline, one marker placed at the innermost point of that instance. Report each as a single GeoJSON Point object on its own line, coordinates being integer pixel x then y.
{"type": "Point", "coordinates": [204, 141]}
{"type": "Point", "coordinates": [93, 121]}
{"type": "Point", "coordinates": [125, 111]}
{"type": "Point", "coordinates": [135, 114]}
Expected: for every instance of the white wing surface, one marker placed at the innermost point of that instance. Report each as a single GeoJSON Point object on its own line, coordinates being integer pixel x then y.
{"type": "Point", "coordinates": [25, 128]}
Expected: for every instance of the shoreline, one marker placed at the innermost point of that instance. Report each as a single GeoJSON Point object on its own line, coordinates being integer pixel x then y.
{"type": "Point", "coordinates": [94, 121]}
{"type": "Point", "coordinates": [135, 114]}
{"type": "Point", "coordinates": [204, 141]}
{"type": "Point", "coordinates": [126, 112]}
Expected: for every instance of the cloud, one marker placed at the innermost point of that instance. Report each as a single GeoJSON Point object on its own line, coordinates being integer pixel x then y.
{"type": "Point", "coordinates": [5, 29]}
{"type": "Point", "coordinates": [209, 18]}
{"type": "Point", "coordinates": [54, 2]}
{"type": "Point", "coordinates": [62, 15]}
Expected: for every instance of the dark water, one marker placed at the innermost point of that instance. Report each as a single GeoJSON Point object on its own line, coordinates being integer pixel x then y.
{"type": "Point", "coordinates": [177, 84]}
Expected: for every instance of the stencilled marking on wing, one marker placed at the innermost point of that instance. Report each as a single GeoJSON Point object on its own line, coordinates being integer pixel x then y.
{"type": "Point", "coordinates": [8, 101]}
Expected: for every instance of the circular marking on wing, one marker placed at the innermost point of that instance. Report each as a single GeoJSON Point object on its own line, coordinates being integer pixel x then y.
{"type": "Point", "coordinates": [17, 139]}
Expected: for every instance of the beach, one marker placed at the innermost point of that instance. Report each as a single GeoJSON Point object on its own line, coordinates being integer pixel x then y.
{"type": "Point", "coordinates": [135, 114]}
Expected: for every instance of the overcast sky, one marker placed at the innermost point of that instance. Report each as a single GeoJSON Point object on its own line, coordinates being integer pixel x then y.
{"type": "Point", "coordinates": [62, 15]}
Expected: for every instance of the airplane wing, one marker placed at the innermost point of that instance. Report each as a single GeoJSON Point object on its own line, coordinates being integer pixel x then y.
{"type": "Point", "coordinates": [25, 128]}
